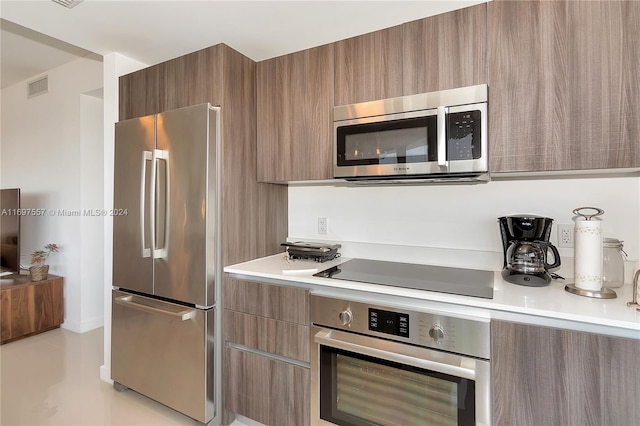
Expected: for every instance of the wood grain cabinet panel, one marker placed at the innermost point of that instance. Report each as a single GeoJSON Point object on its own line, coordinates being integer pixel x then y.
{"type": "Point", "coordinates": [266, 390]}
{"type": "Point", "coordinates": [445, 51]}
{"type": "Point", "coordinates": [139, 93]}
{"type": "Point", "coordinates": [290, 304]}
{"type": "Point", "coordinates": [267, 347]}
{"type": "Point", "coordinates": [192, 79]}
{"type": "Point", "coordinates": [295, 116]}
{"type": "Point", "coordinates": [29, 308]}
{"type": "Point", "coordinates": [268, 335]}
{"type": "Point", "coordinates": [564, 92]}
{"type": "Point", "coordinates": [369, 67]}
{"type": "Point", "coordinates": [548, 376]}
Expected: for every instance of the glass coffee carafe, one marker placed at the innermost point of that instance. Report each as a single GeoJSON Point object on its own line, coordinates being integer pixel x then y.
{"type": "Point", "coordinates": [526, 257]}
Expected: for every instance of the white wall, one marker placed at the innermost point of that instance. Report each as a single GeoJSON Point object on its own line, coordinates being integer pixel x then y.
{"type": "Point", "coordinates": [44, 143]}
{"type": "Point", "coordinates": [91, 196]}
{"type": "Point", "coordinates": [115, 65]}
{"type": "Point", "coordinates": [457, 224]}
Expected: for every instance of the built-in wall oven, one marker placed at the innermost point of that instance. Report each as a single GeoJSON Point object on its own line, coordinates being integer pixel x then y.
{"type": "Point", "coordinates": [382, 365]}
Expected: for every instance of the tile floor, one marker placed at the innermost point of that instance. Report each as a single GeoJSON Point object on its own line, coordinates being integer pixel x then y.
{"type": "Point", "coordinates": [54, 379]}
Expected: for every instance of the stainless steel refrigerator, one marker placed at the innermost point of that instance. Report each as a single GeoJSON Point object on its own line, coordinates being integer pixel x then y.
{"type": "Point", "coordinates": [167, 265]}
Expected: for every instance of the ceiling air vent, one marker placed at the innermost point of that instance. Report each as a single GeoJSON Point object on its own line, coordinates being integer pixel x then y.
{"type": "Point", "coordinates": [69, 4]}
{"type": "Point", "coordinates": [38, 87]}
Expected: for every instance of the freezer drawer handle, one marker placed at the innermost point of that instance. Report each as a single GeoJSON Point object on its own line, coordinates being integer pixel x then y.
{"type": "Point", "coordinates": [128, 302]}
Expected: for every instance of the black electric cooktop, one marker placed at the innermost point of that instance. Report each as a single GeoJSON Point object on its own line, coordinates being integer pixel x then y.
{"type": "Point", "coordinates": [464, 282]}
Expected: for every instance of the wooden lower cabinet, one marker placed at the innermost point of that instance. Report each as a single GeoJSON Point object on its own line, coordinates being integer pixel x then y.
{"type": "Point", "coordinates": [549, 376]}
{"type": "Point", "coordinates": [266, 390]}
{"type": "Point", "coordinates": [28, 308]}
{"type": "Point", "coordinates": [266, 355]}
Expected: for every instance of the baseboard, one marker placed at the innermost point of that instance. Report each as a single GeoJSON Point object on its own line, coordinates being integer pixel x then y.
{"type": "Point", "coordinates": [105, 374]}
{"type": "Point", "coordinates": [84, 326]}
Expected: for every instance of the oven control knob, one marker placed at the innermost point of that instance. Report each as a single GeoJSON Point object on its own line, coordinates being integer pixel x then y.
{"type": "Point", "coordinates": [436, 333]}
{"type": "Point", "coordinates": [346, 317]}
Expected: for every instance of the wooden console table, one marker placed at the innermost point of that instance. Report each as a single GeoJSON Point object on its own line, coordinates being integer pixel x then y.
{"type": "Point", "coordinates": [28, 308]}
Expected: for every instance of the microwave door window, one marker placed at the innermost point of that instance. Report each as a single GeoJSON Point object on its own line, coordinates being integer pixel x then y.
{"type": "Point", "coordinates": [390, 142]}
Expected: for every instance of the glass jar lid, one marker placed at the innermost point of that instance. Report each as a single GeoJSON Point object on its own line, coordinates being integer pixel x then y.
{"type": "Point", "coordinates": [612, 243]}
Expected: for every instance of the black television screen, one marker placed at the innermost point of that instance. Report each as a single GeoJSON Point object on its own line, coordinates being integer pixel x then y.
{"type": "Point", "coordinates": [9, 231]}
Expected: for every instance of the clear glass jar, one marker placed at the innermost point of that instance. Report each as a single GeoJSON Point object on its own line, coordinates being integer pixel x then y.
{"type": "Point", "coordinates": [613, 257]}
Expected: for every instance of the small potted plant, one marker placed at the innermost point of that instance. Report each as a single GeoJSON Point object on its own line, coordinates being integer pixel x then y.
{"type": "Point", "coordinates": [39, 271]}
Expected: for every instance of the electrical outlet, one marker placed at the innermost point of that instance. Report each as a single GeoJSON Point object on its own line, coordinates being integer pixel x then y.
{"type": "Point", "coordinates": [565, 235]}
{"type": "Point", "coordinates": [322, 226]}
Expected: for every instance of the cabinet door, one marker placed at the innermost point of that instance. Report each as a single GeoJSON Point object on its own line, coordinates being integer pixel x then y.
{"type": "Point", "coordinates": [369, 67]}
{"type": "Point", "coordinates": [192, 79]}
{"type": "Point", "coordinates": [295, 101]}
{"type": "Point", "coordinates": [564, 92]}
{"type": "Point", "coordinates": [547, 376]}
{"type": "Point", "coordinates": [266, 390]}
{"type": "Point", "coordinates": [445, 51]}
{"type": "Point", "coordinates": [139, 93]}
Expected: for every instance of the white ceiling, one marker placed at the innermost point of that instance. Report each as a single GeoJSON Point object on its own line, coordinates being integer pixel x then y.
{"type": "Point", "coordinates": [38, 35]}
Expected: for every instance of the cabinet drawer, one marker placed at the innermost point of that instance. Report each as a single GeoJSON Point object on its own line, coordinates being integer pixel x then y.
{"type": "Point", "coordinates": [266, 390]}
{"type": "Point", "coordinates": [268, 335]}
{"type": "Point", "coordinates": [281, 303]}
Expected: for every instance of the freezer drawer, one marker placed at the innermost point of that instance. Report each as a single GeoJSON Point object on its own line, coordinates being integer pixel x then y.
{"type": "Point", "coordinates": [164, 351]}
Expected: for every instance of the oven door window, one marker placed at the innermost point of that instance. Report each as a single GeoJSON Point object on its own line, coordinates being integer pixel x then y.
{"type": "Point", "coordinates": [409, 140]}
{"type": "Point", "coordinates": [359, 390]}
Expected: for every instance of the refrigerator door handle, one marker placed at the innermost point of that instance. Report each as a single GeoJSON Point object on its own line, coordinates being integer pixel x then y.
{"type": "Point", "coordinates": [183, 315]}
{"type": "Point", "coordinates": [162, 203]}
{"type": "Point", "coordinates": [146, 156]}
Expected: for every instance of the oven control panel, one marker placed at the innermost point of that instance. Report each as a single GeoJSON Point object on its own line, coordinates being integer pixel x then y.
{"type": "Point", "coordinates": [463, 335]}
{"type": "Point", "coordinates": [388, 322]}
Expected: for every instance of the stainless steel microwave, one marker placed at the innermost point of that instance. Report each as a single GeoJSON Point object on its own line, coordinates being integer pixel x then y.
{"type": "Point", "coordinates": [429, 136]}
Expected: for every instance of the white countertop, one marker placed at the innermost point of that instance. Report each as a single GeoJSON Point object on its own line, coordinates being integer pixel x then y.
{"type": "Point", "coordinates": [548, 306]}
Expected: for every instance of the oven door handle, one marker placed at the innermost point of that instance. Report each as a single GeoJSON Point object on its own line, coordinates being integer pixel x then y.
{"type": "Point", "coordinates": [441, 362]}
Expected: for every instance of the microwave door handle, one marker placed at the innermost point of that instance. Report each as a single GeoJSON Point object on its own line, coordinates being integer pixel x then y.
{"type": "Point", "coordinates": [146, 156]}
{"type": "Point", "coordinates": [442, 136]}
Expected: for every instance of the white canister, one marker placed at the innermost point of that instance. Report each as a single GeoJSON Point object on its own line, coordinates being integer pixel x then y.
{"type": "Point", "coordinates": [587, 254]}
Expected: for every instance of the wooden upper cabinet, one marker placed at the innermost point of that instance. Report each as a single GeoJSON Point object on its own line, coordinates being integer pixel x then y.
{"type": "Point", "coordinates": [192, 79]}
{"type": "Point", "coordinates": [445, 51]}
{"type": "Point", "coordinates": [369, 67]}
{"type": "Point", "coordinates": [564, 90]}
{"type": "Point", "coordinates": [295, 116]}
{"type": "Point", "coordinates": [139, 93]}
{"type": "Point", "coordinates": [188, 80]}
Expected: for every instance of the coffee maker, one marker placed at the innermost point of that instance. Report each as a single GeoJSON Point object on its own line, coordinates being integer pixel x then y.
{"type": "Point", "coordinates": [525, 241]}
